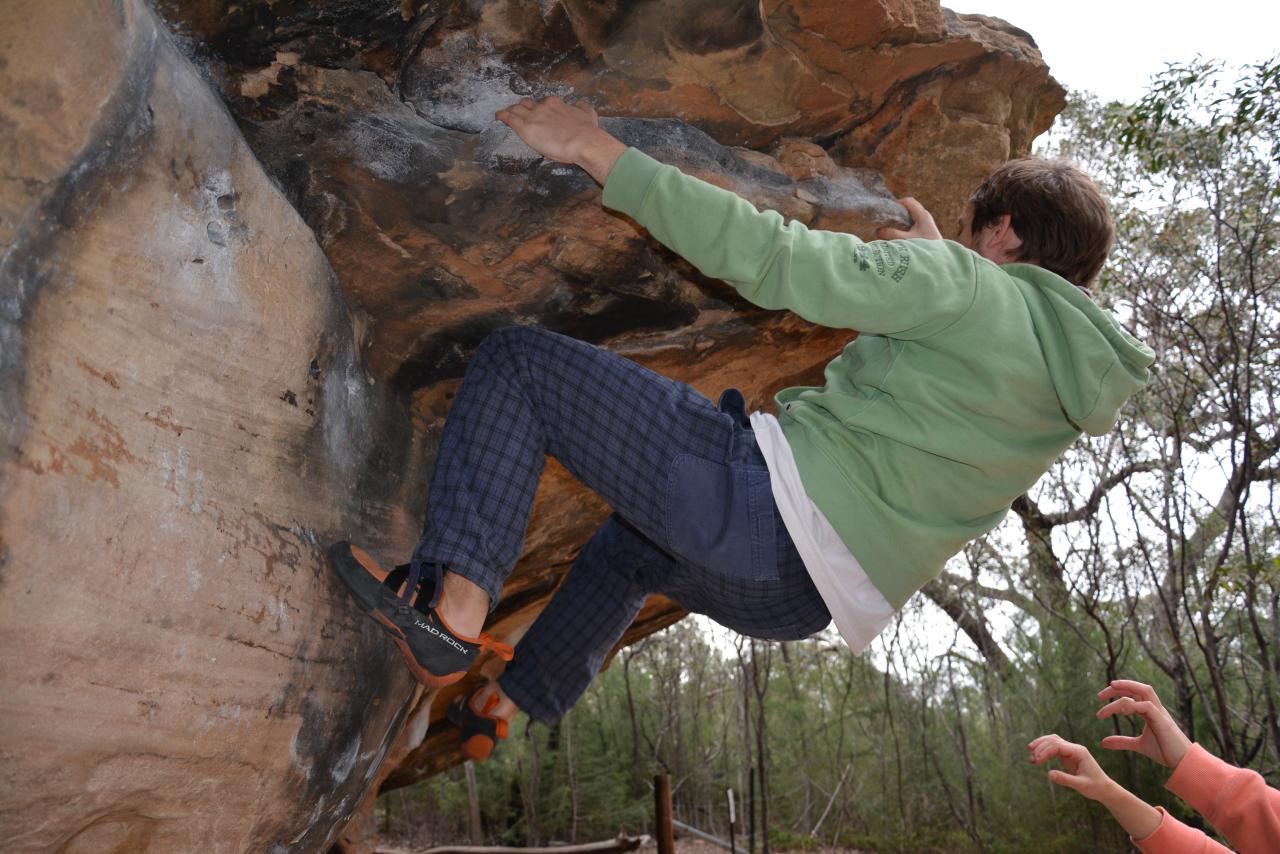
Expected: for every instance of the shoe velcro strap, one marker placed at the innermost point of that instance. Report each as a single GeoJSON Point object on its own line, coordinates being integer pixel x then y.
{"type": "Point", "coordinates": [415, 572]}
{"type": "Point", "coordinates": [504, 651]}
{"type": "Point", "coordinates": [500, 728]}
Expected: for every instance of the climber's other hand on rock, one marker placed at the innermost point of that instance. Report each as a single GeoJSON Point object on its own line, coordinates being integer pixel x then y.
{"type": "Point", "coordinates": [922, 224]}
{"type": "Point", "coordinates": [564, 133]}
{"type": "Point", "coordinates": [551, 127]}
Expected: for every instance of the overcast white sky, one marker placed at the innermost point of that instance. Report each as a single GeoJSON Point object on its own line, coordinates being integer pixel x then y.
{"type": "Point", "coordinates": [1113, 47]}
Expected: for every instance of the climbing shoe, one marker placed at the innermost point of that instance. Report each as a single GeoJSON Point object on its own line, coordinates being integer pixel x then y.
{"type": "Point", "coordinates": [481, 730]}
{"type": "Point", "coordinates": [405, 604]}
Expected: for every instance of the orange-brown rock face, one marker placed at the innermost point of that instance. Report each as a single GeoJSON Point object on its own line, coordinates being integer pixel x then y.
{"type": "Point", "coordinates": [230, 336]}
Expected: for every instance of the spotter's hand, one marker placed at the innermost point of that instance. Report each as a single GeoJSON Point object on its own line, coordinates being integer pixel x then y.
{"type": "Point", "coordinates": [1161, 739]}
{"type": "Point", "coordinates": [1080, 771]}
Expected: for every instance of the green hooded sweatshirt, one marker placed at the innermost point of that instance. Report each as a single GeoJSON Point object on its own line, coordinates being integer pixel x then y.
{"type": "Point", "coordinates": [966, 381]}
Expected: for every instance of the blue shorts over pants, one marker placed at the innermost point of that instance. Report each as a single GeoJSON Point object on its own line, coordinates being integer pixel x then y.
{"type": "Point", "coordinates": [694, 515]}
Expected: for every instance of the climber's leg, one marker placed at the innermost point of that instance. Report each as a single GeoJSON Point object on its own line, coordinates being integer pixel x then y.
{"type": "Point", "coordinates": [565, 647]}
{"type": "Point", "coordinates": [686, 475]}
{"type": "Point", "coordinates": [638, 439]}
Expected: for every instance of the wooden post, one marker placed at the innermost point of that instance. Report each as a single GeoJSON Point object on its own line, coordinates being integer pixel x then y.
{"type": "Point", "coordinates": [663, 829]}
{"type": "Point", "coordinates": [733, 849]}
{"type": "Point", "coordinates": [473, 800]}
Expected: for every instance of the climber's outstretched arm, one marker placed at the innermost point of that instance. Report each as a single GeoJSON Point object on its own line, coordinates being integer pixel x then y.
{"type": "Point", "coordinates": [898, 288]}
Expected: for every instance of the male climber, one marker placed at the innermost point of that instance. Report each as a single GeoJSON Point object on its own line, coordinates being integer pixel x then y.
{"type": "Point", "coordinates": [977, 362]}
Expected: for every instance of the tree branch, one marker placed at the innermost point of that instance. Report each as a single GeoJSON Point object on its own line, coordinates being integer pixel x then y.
{"type": "Point", "coordinates": [1100, 491]}
{"type": "Point", "coordinates": [1013, 597]}
{"type": "Point", "coordinates": [972, 624]}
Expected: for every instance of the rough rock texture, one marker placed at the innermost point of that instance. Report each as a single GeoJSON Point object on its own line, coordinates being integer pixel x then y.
{"type": "Point", "coordinates": [179, 383]}
{"type": "Point", "coordinates": [930, 98]}
{"type": "Point", "coordinates": [443, 235]}
{"type": "Point", "coordinates": [231, 336]}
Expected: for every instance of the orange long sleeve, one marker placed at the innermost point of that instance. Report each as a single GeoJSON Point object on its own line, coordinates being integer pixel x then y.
{"type": "Point", "coordinates": [1237, 801]}
{"type": "Point", "coordinates": [1174, 837]}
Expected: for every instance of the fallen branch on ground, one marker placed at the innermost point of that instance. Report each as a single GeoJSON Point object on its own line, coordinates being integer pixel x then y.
{"type": "Point", "coordinates": [622, 843]}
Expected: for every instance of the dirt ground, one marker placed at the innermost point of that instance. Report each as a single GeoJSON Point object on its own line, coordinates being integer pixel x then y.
{"type": "Point", "coordinates": [685, 845]}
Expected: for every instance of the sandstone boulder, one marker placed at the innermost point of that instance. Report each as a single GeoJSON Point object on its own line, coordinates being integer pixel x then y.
{"type": "Point", "coordinates": [180, 383]}
{"type": "Point", "coordinates": [246, 257]}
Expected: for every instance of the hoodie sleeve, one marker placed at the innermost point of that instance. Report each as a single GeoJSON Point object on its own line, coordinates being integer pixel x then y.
{"type": "Point", "coordinates": [898, 288]}
{"type": "Point", "coordinates": [1237, 801]}
{"type": "Point", "coordinates": [1174, 837]}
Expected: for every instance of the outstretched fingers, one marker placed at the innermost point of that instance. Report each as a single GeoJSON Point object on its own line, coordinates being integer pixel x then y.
{"type": "Point", "coordinates": [1047, 747]}
{"type": "Point", "coordinates": [1129, 688]}
{"type": "Point", "coordinates": [1161, 739]}
{"type": "Point", "coordinates": [528, 109]}
{"type": "Point", "coordinates": [520, 111]}
{"type": "Point", "coordinates": [1122, 742]}
{"type": "Point", "coordinates": [1079, 770]}
{"type": "Point", "coordinates": [1126, 706]}
{"type": "Point", "coordinates": [1079, 782]}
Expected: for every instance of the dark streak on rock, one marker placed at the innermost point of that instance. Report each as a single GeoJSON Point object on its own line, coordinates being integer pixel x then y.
{"type": "Point", "coordinates": [328, 726]}
{"type": "Point", "coordinates": [438, 283]}
{"type": "Point", "coordinates": [713, 26]}
{"type": "Point", "coordinates": [252, 645]}
{"type": "Point", "coordinates": [120, 139]}
{"type": "Point", "coordinates": [330, 33]}
{"type": "Point", "coordinates": [583, 313]}
{"type": "Point", "coordinates": [444, 353]}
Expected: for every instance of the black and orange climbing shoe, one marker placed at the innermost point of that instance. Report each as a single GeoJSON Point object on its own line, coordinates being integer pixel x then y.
{"type": "Point", "coordinates": [481, 729]}
{"type": "Point", "coordinates": [405, 605]}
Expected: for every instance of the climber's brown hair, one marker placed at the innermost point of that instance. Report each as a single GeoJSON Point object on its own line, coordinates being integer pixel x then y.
{"type": "Point", "coordinates": [1058, 212]}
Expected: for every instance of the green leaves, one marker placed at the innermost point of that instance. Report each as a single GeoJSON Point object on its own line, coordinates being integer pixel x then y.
{"type": "Point", "coordinates": [1189, 109]}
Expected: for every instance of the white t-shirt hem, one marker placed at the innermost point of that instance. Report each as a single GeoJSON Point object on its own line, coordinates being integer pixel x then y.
{"type": "Point", "coordinates": [858, 609]}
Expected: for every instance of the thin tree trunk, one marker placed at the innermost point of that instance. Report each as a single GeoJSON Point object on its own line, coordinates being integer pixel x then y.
{"type": "Point", "coordinates": [635, 726]}
{"type": "Point", "coordinates": [806, 812]}
{"type": "Point", "coordinates": [567, 729]}
{"type": "Point", "coordinates": [761, 686]}
{"type": "Point", "coordinates": [897, 754]}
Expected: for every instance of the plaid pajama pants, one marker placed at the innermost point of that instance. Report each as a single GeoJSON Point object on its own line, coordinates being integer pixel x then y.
{"type": "Point", "coordinates": [694, 512]}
